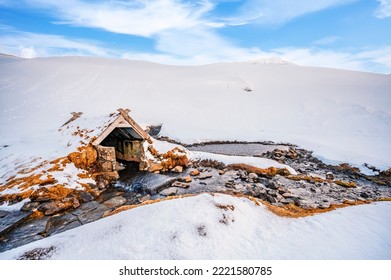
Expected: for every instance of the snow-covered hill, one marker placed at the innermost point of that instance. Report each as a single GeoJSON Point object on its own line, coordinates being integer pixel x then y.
{"type": "Point", "coordinates": [341, 115]}
{"type": "Point", "coordinates": [221, 227]}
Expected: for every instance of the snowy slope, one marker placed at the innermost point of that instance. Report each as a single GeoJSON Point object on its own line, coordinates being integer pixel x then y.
{"type": "Point", "coordinates": [224, 227]}
{"type": "Point", "coordinates": [341, 115]}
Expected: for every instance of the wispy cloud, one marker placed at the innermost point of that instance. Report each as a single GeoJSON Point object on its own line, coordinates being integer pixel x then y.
{"type": "Point", "coordinates": [29, 45]}
{"type": "Point", "coordinates": [384, 9]}
{"type": "Point", "coordinates": [326, 41]}
{"type": "Point", "coordinates": [281, 11]}
{"type": "Point", "coordinates": [139, 17]}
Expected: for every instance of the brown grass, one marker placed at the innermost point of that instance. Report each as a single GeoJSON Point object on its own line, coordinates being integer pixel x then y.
{"type": "Point", "coordinates": [270, 172]}
{"type": "Point", "coordinates": [346, 184]}
{"type": "Point", "coordinates": [293, 211]}
{"type": "Point", "coordinates": [288, 210]}
{"type": "Point", "coordinates": [307, 178]}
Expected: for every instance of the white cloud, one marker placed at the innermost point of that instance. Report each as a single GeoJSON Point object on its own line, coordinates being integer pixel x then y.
{"type": "Point", "coordinates": [139, 17]}
{"type": "Point", "coordinates": [280, 11]}
{"type": "Point", "coordinates": [26, 44]}
{"type": "Point", "coordinates": [28, 52]}
{"type": "Point", "coordinates": [384, 9]}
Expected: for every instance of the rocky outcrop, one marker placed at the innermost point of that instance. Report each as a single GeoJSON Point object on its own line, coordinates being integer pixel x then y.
{"type": "Point", "coordinates": [174, 160]}
{"type": "Point", "coordinates": [84, 158]}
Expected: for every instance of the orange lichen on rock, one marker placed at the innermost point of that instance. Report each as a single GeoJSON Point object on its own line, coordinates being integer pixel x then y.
{"type": "Point", "coordinates": [167, 161]}
{"type": "Point", "coordinates": [347, 167]}
{"type": "Point", "coordinates": [307, 178]}
{"type": "Point", "coordinates": [84, 158]}
{"type": "Point", "coordinates": [59, 164]}
{"type": "Point", "coordinates": [24, 183]}
{"type": "Point", "coordinates": [346, 184]}
{"type": "Point", "coordinates": [270, 171]}
{"type": "Point", "coordinates": [56, 192]}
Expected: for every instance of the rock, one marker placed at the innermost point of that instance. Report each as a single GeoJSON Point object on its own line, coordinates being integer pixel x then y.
{"type": "Point", "coordinates": [329, 176]}
{"type": "Point", "coordinates": [205, 175]}
{"type": "Point", "coordinates": [144, 198]}
{"type": "Point", "coordinates": [272, 193]}
{"type": "Point", "coordinates": [288, 195]}
{"type": "Point", "coordinates": [181, 185]}
{"type": "Point", "coordinates": [12, 220]}
{"type": "Point", "coordinates": [169, 191]}
{"type": "Point", "coordinates": [271, 199]}
{"type": "Point", "coordinates": [324, 205]}
{"type": "Point", "coordinates": [24, 233]}
{"type": "Point", "coordinates": [155, 167]}
{"type": "Point", "coordinates": [84, 158]}
{"type": "Point", "coordinates": [119, 166]}
{"type": "Point", "coordinates": [106, 166]}
{"type": "Point", "coordinates": [194, 172]}
{"type": "Point", "coordinates": [364, 195]}
{"type": "Point", "coordinates": [186, 179]}
{"type": "Point", "coordinates": [282, 189]}
{"type": "Point", "coordinates": [54, 207]}
{"type": "Point", "coordinates": [106, 153]}
{"type": "Point", "coordinates": [272, 185]}
{"type": "Point", "coordinates": [239, 187]}
{"type": "Point", "coordinates": [57, 224]}
{"type": "Point", "coordinates": [3, 213]}
{"type": "Point", "coordinates": [30, 206]}
{"type": "Point", "coordinates": [177, 169]}
{"type": "Point", "coordinates": [85, 197]}
{"type": "Point", "coordinates": [253, 176]}
{"type": "Point", "coordinates": [114, 202]}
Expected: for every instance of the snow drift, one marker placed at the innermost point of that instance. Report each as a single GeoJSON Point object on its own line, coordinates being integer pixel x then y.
{"type": "Point", "coordinates": [222, 227]}
{"type": "Point", "coordinates": [341, 115]}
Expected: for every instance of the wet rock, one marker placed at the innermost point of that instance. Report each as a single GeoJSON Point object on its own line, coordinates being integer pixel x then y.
{"type": "Point", "coordinates": [194, 172]}
{"type": "Point", "coordinates": [61, 223]}
{"type": "Point", "coordinates": [169, 191]}
{"type": "Point", "coordinates": [12, 220]}
{"type": "Point", "coordinates": [205, 175]}
{"type": "Point", "coordinates": [177, 169]}
{"type": "Point", "coordinates": [115, 202]}
{"type": "Point", "coordinates": [181, 185]}
{"type": "Point", "coordinates": [27, 232]}
{"type": "Point", "coordinates": [3, 213]}
{"type": "Point", "coordinates": [186, 179]}
{"type": "Point", "coordinates": [92, 215]}
{"type": "Point", "coordinates": [30, 206]}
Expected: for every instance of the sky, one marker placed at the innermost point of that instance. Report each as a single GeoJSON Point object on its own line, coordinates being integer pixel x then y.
{"type": "Point", "coordinates": [345, 34]}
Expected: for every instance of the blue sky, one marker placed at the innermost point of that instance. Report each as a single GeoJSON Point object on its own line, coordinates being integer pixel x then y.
{"type": "Point", "coordinates": [347, 34]}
